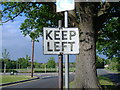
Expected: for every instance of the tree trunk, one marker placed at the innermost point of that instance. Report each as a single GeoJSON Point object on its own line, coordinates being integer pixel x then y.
{"type": "Point", "coordinates": [85, 75]}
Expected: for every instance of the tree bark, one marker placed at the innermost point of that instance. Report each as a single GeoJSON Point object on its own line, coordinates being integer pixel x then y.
{"type": "Point", "coordinates": [85, 75]}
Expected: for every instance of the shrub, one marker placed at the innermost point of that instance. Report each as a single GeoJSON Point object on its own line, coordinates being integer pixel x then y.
{"type": "Point", "coordinates": [114, 66]}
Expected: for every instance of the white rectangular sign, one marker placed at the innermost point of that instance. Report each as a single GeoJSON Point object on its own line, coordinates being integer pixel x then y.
{"type": "Point", "coordinates": [65, 40]}
{"type": "Point", "coordinates": [63, 5]}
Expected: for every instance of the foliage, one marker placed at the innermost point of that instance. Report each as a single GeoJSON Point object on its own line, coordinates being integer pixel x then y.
{"type": "Point", "coordinates": [20, 63]}
{"type": "Point", "coordinates": [100, 62]}
{"type": "Point", "coordinates": [114, 64]}
{"type": "Point", "coordinates": [51, 63]}
{"type": "Point", "coordinates": [109, 40]}
{"type": "Point", "coordinates": [5, 54]}
{"type": "Point", "coordinates": [9, 70]}
{"type": "Point", "coordinates": [24, 62]}
{"type": "Point", "coordinates": [43, 65]}
{"type": "Point", "coordinates": [37, 65]}
{"type": "Point", "coordinates": [10, 64]}
{"type": "Point", "coordinates": [50, 70]}
{"type": "Point", "coordinates": [37, 16]}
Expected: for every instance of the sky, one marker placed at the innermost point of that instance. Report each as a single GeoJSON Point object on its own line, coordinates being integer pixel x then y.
{"type": "Point", "coordinates": [19, 46]}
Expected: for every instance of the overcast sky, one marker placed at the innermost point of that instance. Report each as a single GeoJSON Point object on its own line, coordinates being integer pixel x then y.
{"type": "Point", "coordinates": [20, 46]}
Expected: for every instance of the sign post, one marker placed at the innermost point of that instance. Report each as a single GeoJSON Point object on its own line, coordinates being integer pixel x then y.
{"type": "Point", "coordinates": [66, 57]}
{"type": "Point", "coordinates": [60, 62]}
{"type": "Point", "coordinates": [60, 74]}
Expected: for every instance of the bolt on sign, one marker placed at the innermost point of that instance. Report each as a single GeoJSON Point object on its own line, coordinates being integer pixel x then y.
{"type": "Point", "coordinates": [64, 40]}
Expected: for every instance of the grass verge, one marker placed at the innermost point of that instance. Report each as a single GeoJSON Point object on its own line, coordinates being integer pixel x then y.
{"type": "Point", "coordinates": [105, 82]}
{"type": "Point", "coordinates": [13, 78]}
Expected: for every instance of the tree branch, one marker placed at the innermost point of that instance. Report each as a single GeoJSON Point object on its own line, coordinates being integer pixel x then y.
{"type": "Point", "coordinates": [16, 14]}
{"type": "Point", "coordinates": [106, 16]}
{"type": "Point", "coordinates": [11, 7]}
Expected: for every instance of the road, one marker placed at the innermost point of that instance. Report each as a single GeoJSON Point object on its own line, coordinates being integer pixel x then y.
{"type": "Point", "coordinates": [52, 82]}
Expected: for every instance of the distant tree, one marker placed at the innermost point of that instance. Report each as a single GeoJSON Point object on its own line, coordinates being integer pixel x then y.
{"type": "Point", "coordinates": [43, 65]}
{"type": "Point", "coordinates": [5, 54]}
{"type": "Point", "coordinates": [37, 65]}
{"type": "Point", "coordinates": [1, 63]}
{"type": "Point", "coordinates": [24, 62]}
{"type": "Point", "coordinates": [8, 63]}
{"type": "Point", "coordinates": [13, 64]}
{"type": "Point", "coordinates": [114, 64]}
{"type": "Point", "coordinates": [51, 62]}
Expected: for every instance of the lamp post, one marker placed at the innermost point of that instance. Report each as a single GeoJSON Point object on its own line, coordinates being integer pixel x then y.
{"type": "Point", "coordinates": [32, 62]}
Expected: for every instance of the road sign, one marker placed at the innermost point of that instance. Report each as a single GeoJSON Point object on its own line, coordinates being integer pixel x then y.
{"type": "Point", "coordinates": [65, 40]}
{"type": "Point", "coordinates": [63, 5]}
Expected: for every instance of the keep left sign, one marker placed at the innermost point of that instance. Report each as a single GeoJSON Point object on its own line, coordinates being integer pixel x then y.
{"type": "Point", "coordinates": [65, 40]}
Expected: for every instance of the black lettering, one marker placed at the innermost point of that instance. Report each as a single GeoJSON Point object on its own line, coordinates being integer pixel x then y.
{"type": "Point", "coordinates": [71, 47]}
{"type": "Point", "coordinates": [48, 45]}
{"type": "Point", "coordinates": [72, 33]}
{"type": "Point", "coordinates": [56, 46]}
{"type": "Point", "coordinates": [56, 34]}
{"type": "Point", "coordinates": [64, 33]}
{"type": "Point", "coordinates": [63, 45]}
{"type": "Point", "coordinates": [48, 35]}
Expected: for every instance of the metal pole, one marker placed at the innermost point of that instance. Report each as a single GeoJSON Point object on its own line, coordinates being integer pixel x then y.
{"type": "Point", "coordinates": [32, 58]}
{"type": "Point", "coordinates": [60, 62]}
{"type": "Point", "coordinates": [66, 18]}
{"type": "Point", "coordinates": [66, 57]}
{"type": "Point", "coordinates": [60, 71]}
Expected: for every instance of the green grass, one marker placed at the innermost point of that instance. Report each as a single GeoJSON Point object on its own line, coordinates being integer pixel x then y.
{"type": "Point", "coordinates": [105, 82]}
{"type": "Point", "coordinates": [13, 78]}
